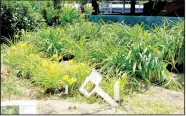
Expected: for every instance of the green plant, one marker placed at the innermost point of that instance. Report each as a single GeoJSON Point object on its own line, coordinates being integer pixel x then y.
{"type": "Point", "coordinates": [17, 15]}
{"type": "Point", "coordinates": [44, 71]}
{"type": "Point", "coordinates": [140, 106]}
{"type": "Point", "coordinates": [117, 48]}
{"type": "Point", "coordinates": [9, 109]}
{"type": "Point", "coordinates": [123, 82]}
{"type": "Point", "coordinates": [51, 40]}
{"type": "Point", "coordinates": [173, 44]}
{"type": "Point", "coordinates": [60, 16]}
{"type": "Point", "coordinates": [9, 89]}
{"type": "Point", "coordinates": [88, 9]}
{"type": "Point", "coordinates": [17, 55]}
{"type": "Point", "coordinates": [68, 15]}
{"type": "Point", "coordinates": [54, 75]}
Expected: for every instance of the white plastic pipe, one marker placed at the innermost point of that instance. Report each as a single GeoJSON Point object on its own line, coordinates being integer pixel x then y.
{"type": "Point", "coordinates": [116, 91]}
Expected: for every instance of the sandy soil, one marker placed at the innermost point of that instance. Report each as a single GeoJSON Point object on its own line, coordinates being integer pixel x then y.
{"type": "Point", "coordinates": [171, 98]}
{"type": "Point", "coordinates": [69, 107]}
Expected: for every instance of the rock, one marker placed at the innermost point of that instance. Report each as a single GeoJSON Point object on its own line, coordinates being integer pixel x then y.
{"type": "Point", "coordinates": [34, 95]}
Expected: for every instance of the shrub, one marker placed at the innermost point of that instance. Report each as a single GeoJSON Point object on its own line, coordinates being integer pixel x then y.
{"type": "Point", "coordinates": [17, 15]}
{"type": "Point", "coordinates": [61, 16]}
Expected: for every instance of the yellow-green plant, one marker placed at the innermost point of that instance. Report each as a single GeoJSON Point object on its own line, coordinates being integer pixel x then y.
{"type": "Point", "coordinates": [123, 82]}
{"type": "Point", "coordinates": [17, 56]}
{"type": "Point", "coordinates": [44, 71]}
{"type": "Point", "coordinates": [51, 74]}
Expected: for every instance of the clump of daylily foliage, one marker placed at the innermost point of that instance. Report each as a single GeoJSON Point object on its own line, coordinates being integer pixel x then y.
{"type": "Point", "coordinates": [116, 48]}
{"type": "Point", "coordinates": [47, 72]}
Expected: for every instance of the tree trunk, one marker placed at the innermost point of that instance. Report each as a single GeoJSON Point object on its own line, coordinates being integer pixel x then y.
{"type": "Point", "coordinates": [95, 7]}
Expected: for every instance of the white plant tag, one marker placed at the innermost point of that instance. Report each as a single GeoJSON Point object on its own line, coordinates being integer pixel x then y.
{"type": "Point", "coordinates": [18, 107]}
{"type": "Point", "coordinates": [116, 91]}
{"type": "Point", "coordinates": [66, 89]}
{"type": "Point", "coordinates": [93, 80]}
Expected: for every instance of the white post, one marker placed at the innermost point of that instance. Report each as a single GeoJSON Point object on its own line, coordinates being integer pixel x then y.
{"type": "Point", "coordinates": [116, 91]}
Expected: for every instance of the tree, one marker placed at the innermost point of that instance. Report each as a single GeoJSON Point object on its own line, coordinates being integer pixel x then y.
{"type": "Point", "coordinates": [95, 6]}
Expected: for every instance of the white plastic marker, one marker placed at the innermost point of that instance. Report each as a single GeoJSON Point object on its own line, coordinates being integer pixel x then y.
{"type": "Point", "coordinates": [96, 78]}
{"type": "Point", "coordinates": [116, 91]}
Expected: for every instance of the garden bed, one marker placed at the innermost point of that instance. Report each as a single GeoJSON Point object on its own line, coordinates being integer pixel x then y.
{"type": "Point", "coordinates": [43, 62]}
{"type": "Point", "coordinates": [56, 57]}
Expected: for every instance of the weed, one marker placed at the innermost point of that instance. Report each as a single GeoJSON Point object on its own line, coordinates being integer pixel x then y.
{"type": "Point", "coordinates": [139, 106]}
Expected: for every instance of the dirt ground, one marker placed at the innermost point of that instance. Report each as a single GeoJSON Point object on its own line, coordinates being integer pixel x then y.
{"type": "Point", "coordinates": [152, 101]}
{"type": "Point", "coordinates": [154, 94]}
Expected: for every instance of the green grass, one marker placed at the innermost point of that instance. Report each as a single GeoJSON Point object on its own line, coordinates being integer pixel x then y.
{"type": "Point", "coordinates": [137, 105]}
{"type": "Point", "coordinates": [9, 87]}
